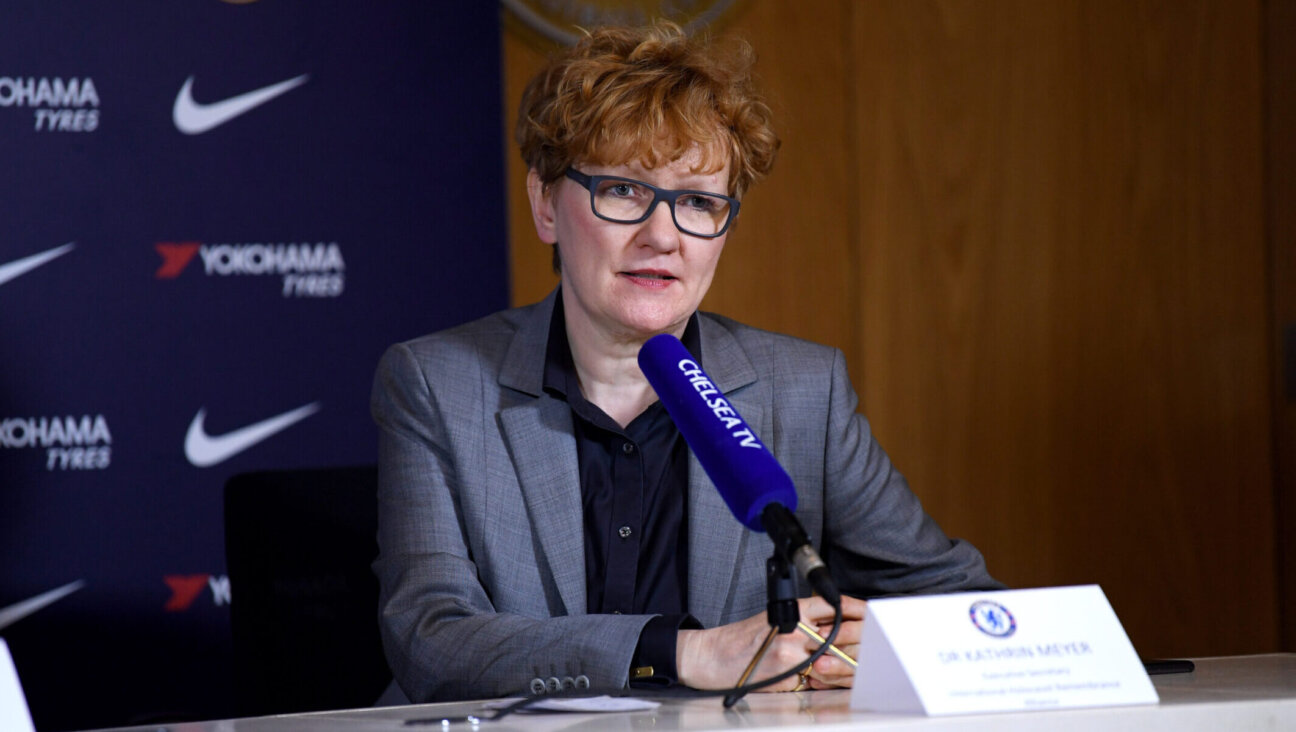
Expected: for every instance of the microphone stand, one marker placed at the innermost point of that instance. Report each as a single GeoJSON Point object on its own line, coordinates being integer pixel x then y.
{"type": "Point", "coordinates": [780, 607]}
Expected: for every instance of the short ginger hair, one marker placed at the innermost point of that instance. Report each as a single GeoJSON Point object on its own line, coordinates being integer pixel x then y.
{"type": "Point", "coordinates": [648, 95]}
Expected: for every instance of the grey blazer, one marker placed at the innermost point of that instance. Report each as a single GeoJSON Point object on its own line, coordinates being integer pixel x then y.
{"type": "Point", "coordinates": [481, 561]}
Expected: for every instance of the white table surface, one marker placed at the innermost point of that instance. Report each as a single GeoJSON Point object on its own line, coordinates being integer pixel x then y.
{"type": "Point", "coordinates": [1226, 693]}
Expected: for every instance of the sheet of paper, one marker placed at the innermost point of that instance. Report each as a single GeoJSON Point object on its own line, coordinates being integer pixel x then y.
{"type": "Point", "coordinates": [14, 716]}
{"type": "Point", "coordinates": [582, 704]}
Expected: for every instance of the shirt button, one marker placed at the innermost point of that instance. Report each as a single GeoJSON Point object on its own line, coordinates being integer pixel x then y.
{"type": "Point", "coordinates": [628, 448]}
{"type": "Point", "coordinates": [624, 532]}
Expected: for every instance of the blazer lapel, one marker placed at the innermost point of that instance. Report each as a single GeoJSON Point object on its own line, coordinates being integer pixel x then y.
{"type": "Point", "coordinates": [715, 536]}
{"type": "Point", "coordinates": [540, 441]}
{"type": "Point", "coordinates": [541, 444]}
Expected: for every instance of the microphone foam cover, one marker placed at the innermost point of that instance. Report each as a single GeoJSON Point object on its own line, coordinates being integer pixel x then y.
{"type": "Point", "coordinates": [737, 462]}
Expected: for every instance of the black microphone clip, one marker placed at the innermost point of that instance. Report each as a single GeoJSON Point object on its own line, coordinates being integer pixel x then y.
{"type": "Point", "coordinates": [792, 543]}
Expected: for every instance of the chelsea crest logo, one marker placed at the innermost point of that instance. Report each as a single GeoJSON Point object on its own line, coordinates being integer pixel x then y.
{"type": "Point", "coordinates": [992, 619]}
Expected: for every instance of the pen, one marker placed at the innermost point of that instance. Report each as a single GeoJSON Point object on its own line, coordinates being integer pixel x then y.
{"type": "Point", "coordinates": [831, 649]}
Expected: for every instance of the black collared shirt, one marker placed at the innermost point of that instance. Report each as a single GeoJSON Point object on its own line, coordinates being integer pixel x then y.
{"type": "Point", "coordinates": [634, 492]}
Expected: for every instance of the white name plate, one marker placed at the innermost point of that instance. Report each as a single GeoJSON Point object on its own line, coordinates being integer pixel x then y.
{"type": "Point", "coordinates": [1013, 650]}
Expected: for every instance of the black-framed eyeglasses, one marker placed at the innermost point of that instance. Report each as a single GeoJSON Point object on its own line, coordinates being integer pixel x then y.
{"type": "Point", "coordinates": [630, 201]}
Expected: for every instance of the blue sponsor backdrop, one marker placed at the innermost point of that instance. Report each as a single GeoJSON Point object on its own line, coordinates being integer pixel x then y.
{"type": "Point", "coordinates": [254, 268]}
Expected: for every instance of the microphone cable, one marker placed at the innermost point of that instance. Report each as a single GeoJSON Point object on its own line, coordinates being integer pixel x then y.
{"type": "Point", "coordinates": [734, 695]}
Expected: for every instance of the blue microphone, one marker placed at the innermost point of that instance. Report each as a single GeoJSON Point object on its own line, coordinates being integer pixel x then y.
{"type": "Point", "coordinates": [753, 484]}
{"type": "Point", "coordinates": [745, 472]}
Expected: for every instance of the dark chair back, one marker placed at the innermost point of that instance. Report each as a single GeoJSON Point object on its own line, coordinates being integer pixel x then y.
{"type": "Point", "coordinates": [303, 599]}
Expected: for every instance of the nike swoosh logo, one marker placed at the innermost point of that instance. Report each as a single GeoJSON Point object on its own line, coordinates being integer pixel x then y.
{"type": "Point", "coordinates": [193, 118]}
{"type": "Point", "coordinates": [20, 267]}
{"type": "Point", "coordinates": [20, 610]}
{"type": "Point", "coordinates": [204, 450]}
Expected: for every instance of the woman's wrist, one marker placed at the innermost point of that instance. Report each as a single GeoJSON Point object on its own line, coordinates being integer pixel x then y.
{"type": "Point", "coordinates": [686, 649]}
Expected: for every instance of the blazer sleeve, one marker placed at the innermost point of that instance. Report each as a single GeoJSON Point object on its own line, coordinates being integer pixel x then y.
{"type": "Point", "coordinates": [878, 540]}
{"type": "Point", "coordinates": [442, 633]}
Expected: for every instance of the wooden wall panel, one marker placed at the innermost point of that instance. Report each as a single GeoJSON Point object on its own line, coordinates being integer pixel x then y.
{"type": "Point", "coordinates": [963, 217]}
{"type": "Point", "coordinates": [1063, 292]}
{"type": "Point", "coordinates": [1036, 230]}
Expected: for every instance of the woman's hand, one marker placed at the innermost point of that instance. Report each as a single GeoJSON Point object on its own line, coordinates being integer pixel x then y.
{"type": "Point", "coordinates": [715, 658]}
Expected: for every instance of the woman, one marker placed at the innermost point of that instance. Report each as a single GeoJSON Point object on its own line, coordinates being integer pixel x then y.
{"type": "Point", "coordinates": [542, 524]}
